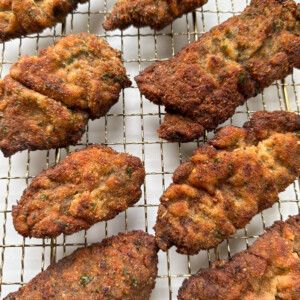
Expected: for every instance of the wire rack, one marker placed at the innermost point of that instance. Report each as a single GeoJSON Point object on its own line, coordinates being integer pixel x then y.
{"type": "Point", "coordinates": [130, 126]}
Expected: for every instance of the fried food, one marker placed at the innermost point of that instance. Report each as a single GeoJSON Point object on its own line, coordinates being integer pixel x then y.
{"type": "Point", "coordinates": [269, 269]}
{"type": "Point", "coordinates": [20, 17]}
{"type": "Point", "coordinates": [205, 82]}
{"type": "Point", "coordinates": [228, 181]}
{"type": "Point", "coordinates": [29, 120]}
{"type": "Point", "coordinates": [47, 99]}
{"type": "Point", "coordinates": [80, 70]}
{"type": "Point", "coordinates": [88, 186]}
{"type": "Point", "coordinates": [153, 13]}
{"type": "Point", "coordinates": [120, 267]}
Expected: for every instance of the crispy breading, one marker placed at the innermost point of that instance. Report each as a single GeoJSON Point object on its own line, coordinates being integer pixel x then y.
{"type": "Point", "coordinates": [80, 70]}
{"type": "Point", "coordinates": [154, 13]}
{"type": "Point", "coordinates": [210, 78]}
{"type": "Point", "coordinates": [228, 181]}
{"type": "Point", "coordinates": [120, 267]}
{"type": "Point", "coordinates": [88, 186]}
{"type": "Point", "coordinates": [20, 17]}
{"type": "Point", "coordinates": [79, 77]}
{"type": "Point", "coordinates": [269, 269]}
{"type": "Point", "coordinates": [29, 120]}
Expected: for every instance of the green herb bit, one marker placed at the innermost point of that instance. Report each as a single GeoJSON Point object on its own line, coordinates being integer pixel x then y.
{"type": "Point", "coordinates": [217, 159]}
{"type": "Point", "coordinates": [4, 130]}
{"type": "Point", "coordinates": [129, 171]}
{"type": "Point", "coordinates": [85, 279]}
{"type": "Point", "coordinates": [134, 282]}
{"type": "Point", "coordinates": [44, 196]}
{"type": "Point", "coordinates": [228, 34]}
{"type": "Point", "coordinates": [107, 76]}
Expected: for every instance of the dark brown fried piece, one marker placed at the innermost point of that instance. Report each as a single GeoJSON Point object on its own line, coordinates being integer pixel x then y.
{"type": "Point", "coordinates": [47, 99]}
{"type": "Point", "coordinates": [269, 269]}
{"type": "Point", "coordinates": [88, 186]}
{"type": "Point", "coordinates": [236, 60]}
{"type": "Point", "coordinates": [122, 267]}
{"type": "Point", "coordinates": [20, 17]}
{"type": "Point", "coordinates": [29, 120]}
{"type": "Point", "coordinates": [226, 183]}
{"type": "Point", "coordinates": [154, 13]}
{"type": "Point", "coordinates": [80, 70]}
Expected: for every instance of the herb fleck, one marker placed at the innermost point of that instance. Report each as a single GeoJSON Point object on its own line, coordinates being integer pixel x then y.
{"type": "Point", "coordinates": [107, 76]}
{"type": "Point", "coordinates": [44, 196]}
{"type": "Point", "coordinates": [85, 279]}
{"type": "Point", "coordinates": [217, 159]}
{"type": "Point", "coordinates": [129, 171]}
{"type": "Point", "coordinates": [134, 282]}
{"type": "Point", "coordinates": [228, 34]}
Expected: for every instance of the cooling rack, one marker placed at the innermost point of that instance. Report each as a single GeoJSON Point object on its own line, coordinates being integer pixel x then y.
{"type": "Point", "coordinates": [131, 126]}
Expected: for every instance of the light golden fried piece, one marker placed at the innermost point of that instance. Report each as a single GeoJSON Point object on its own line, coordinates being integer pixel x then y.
{"type": "Point", "coordinates": [120, 267]}
{"type": "Point", "coordinates": [29, 120]}
{"type": "Point", "coordinates": [20, 17]}
{"type": "Point", "coordinates": [227, 182]}
{"type": "Point", "coordinates": [154, 13]}
{"type": "Point", "coordinates": [204, 83]}
{"type": "Point", "coordinates": [88, 186]}
{"type": "Point", "coordinates": [80, 70]}
{"type": "Point", "coordinates": [269, 269]}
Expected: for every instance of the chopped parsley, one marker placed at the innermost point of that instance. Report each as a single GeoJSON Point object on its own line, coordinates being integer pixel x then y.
{"type": "Point", "coordinates": [85, 279]}
{"type": "Point", "coordinates": [129, 171]}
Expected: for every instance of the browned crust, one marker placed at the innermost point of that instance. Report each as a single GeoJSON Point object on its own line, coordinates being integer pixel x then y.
{"type": "Point", "coordinates": [20, 17]}
{"type": "Point", "coordinates": [120, 267]}
{"type": "Point", "coordinates": [207, 80]}
{"type": "Point", "coordinates": [29, 120]}
{"type": "Point", "coordinates": [81, 70]}
{"type": "Point", "coordinates": [47, 99]}
{"type": "Point", "coordinates": [88, 186]}
{"type": "Point", "coordinates": [217, 191]}
{"type": "Point", "coordinates": [153, 13]}
{"type": "Point", "coordinates": [269, 269]}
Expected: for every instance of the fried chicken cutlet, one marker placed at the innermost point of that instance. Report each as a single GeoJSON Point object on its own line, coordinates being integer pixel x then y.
{"type": "Point", "coordinates": [20, 17]}
{"type": "Point", "coordinates": [88, 186]}
{"type": "Point", "coordinates": [228, 181]}
{"type": "Point", "coordinates": [46, 100]}
{"type": "Point", "coordinates": [269, 269]}
{"type": "Point", "coordinates": [120, 267]}
{"type": "Point", "coordinates": [205, 82]}
{"type": "Point", "coordinates": [153, 13]}
{"type": "Point", "coordinates": [29, 120]}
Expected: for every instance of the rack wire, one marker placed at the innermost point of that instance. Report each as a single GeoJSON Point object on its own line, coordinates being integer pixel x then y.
{"type": "Point", "coordinates": [130, 126]}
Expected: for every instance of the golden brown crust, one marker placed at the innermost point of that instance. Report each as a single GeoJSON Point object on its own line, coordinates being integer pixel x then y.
{"type": "Point", "coordinates": [29, 120]}
{"type": "Point", "coordinates": [154, 13]}
{"type": "Point", "coordinates": [88, 186]}
{"type": "Point", "coordinates": [236, 60]}
{"type": "Point", "coordinates": [80, 70]}
{"type": "Point", "coordinates": [269, 269]}
{"type": "Point", "coordinates": [122, 267]}
{"type": "Point", "coordinates": [80, 77]}
{"type": "Point", "coordinates": [20, 17]}
{"type": "Point", "coordinates": [217, 191]}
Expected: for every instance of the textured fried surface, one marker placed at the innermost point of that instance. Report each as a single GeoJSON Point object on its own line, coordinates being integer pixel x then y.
{"type": "Point", "coordinates": [269, 269]}
{"type": "Point", "coordinates": [236, 60]}
{"type": "Point", "coordinates": [20, 17]}
{"type": "Point", "coordinates": [88, 186]}
{"type": "Point", "coordinates": [29, 120]}
{"type": "Point", "coordinates": [226, 183]}
{"type": "Point", "coordinates": [47, 99]}
{"type": "Point", "coordinates": [120, 267]}
{"type": "Point", "coordinates": [154, 13]}
{"type": "Point", "coordinates": [80, 70]}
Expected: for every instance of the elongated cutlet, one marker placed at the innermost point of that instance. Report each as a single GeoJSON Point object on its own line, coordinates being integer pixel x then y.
{"type": "Point", "coordinates": [205, 82]}
{"type": "Point", "coordinates": [120, 267]}
{"type": "Point", "coordinates": [88, 186]}
{"type": "Point", "coordinates": [20, 17]}
{"type": "Point", "coordinates": [153, 13]}
{"type": "Point", "coordinates": [269, 269]}
{"type": "Point", "coordinates": [228, 181]}
{"type": "Point", "coordinates": [46, 100]}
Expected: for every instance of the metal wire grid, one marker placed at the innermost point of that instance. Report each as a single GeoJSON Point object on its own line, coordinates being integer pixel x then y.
{"type": "Point", "coordinates": [173, 268]}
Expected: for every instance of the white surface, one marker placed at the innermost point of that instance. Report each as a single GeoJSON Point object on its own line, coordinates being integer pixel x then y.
{"type": "Point", "coordinates": [21, 259]}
